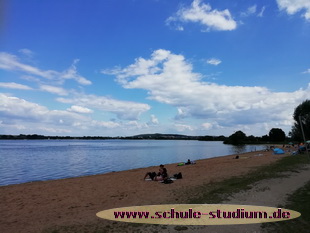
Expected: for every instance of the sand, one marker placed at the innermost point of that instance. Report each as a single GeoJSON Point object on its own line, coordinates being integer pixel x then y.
{"type": "Point", "coordinates": [44, 205]}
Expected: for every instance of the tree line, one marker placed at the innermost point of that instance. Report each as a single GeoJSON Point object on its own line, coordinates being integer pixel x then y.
{"type": "Point", "coordinates": [300, 130]}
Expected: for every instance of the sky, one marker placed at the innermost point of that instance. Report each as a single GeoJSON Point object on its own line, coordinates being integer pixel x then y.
{"type": "Point", "coordinates": [128, 67]}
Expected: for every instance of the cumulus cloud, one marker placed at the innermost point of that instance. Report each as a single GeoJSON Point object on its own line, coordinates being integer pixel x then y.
{"type": "Point", "coordinates": [12, 63]}
{"type": "Point", "coordinates": [20, 114]}
{"type": "Point", "coordinates": [123, 109]}
{"type": "Point", "coordinates": [214, 61]}
{"type": "Point", "coordinates": [294, 6]}
{"type": "Point", "coordinates": [14, 86]}
{"type": "Point", "coordinates": [203, 14]}
{"type": "Point", "coordinates": [11, 106]}
{"type": "Point", "coordinates": [169, 79]}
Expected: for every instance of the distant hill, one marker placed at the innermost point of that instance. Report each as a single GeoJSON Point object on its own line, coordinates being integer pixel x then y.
{"type": "Point", "coordinates": [159, 136]}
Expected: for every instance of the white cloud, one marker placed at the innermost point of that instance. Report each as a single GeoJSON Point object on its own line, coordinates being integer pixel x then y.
{"type": "Point", "coordinates": [214, 61]}
{"type": "Point", "coordinates": [54, 130]}
{"type": "Point", "coordinates": [15, 86]}
{"type": "Point", "coordinates": [12, 63]}
{"type": "Point", "coordinates": [294, 6]}
{"type": "Point", "coordinates": [54, 90]}
{"type": "Point", "coordinates": [134, 125]}
{"type": "Point", "coordinates": [30, 78]}
{"type": "Point", "coordinates": [79, 109]}
{"type": "Point", "coordinates": [13, 106]}
{"type": "Point", "coordinates": [306, 72]}
{"type": "Point", "coordinates": [105, 124]}
{"type": "Point", "coordinates": [207, 125]}
{"type": "Point", "coordinates": [202, 13]}
{"type": "Point", "coordinates": [123, 109]}
{"type": "Point", "coordinates": [170, 79]}
{"type": "Point", "coordinates": [250, 11]}
{"type": "Point", "coordinates": [20, 114]}
{"type": "Point", "coordinates": [154, 120]}
{"type": "Point", "coordinates": [72, 73]}
{"type": "Point", "coordinates": [26, 52]}
{"type": "Point", "coordinates": [183, 127]}
{"type": "Point", "coordinates": [261, 13]}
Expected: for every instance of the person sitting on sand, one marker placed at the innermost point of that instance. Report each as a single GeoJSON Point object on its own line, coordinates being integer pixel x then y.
{"type": "Point", "coordinates": [188, 162]}
{"type": "Point", "coordinates": [161, 175]}
{"type": "Point", "coordinates": [163, 171]}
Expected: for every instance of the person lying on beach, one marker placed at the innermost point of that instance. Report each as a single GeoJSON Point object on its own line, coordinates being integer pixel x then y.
{"type": "Point", "coordinates": [161, 175]}
{"type": "Point", "coordinates": [187, 163]}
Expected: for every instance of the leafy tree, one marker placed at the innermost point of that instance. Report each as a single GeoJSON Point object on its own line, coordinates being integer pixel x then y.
{"type": "Point", "coordinates": [265, 138]}
{"type": "Point", "coordinates": [276, 135]}
{"type": "Point", "coordinates": [302, 110]}
{"type": "Point", "coordinates": [236, 138]}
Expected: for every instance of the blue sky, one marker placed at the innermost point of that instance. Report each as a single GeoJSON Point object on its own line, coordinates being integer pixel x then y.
{"type": "Point", "coordinates": [125, 67]}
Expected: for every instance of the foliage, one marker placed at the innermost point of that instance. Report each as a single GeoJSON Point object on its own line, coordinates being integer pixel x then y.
{"type": "Point", "coordinates": [302, 110]}
{"type": "Point", "coordinates": [276, 135]}
{"type": "Point", "coordinates": [236, 138]}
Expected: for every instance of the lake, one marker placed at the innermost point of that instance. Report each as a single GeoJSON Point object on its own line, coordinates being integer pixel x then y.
{"type": "Point", "coordinates": [33, 160]}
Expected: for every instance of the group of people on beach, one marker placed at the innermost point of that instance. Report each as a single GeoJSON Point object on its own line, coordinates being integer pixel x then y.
{"type": "Point", "coordinates": [161, 175]}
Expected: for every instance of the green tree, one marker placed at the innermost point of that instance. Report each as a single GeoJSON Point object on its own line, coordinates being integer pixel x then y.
{"type": "Point", "coordinates": [265, 138]}
{"type": "Point", "coordinates": [237, 138]}
{"type": "Point", "coordinates": [276, 135]}
{"type": "Point", "coordinates": [301, 111]}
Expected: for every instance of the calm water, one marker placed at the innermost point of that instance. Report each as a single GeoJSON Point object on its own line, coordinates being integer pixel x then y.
{"type": "Point", "coordinates": [26, 160]}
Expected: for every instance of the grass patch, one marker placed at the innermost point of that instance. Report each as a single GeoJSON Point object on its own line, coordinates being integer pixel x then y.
{"type": "Point", "coordinates": [218, 192]}
{"type": "Point", "coordinates": [300, 202]}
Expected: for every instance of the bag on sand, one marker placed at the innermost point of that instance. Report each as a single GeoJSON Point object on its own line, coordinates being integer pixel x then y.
{"type": "Point", "coordinates": [178, 175]}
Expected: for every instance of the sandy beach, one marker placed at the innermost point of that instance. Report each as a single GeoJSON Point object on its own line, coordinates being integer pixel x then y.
{"type": "Point", "coordinates": [74, 202]}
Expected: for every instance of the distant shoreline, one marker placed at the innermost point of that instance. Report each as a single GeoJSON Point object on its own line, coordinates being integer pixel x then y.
{"type": "Point", "coordinates": [250, 140]}
{"type": "Point", "coordinates": [135, 137]}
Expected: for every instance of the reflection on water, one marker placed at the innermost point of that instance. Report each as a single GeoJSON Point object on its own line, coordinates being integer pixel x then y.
{"type": "Point", "coordinates": [245, 148]}
{"type": "Point", "coordinates": [24, 161]}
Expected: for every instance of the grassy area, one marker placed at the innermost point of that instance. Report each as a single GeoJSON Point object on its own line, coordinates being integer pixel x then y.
{"type": "Point", "coordinates": [215, 193]}
{"type": "Point", "coordinates": [300, 202]}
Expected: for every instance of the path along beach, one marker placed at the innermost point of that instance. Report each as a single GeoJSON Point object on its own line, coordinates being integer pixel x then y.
{"type": "Point", "coordinates": [73, 203]}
